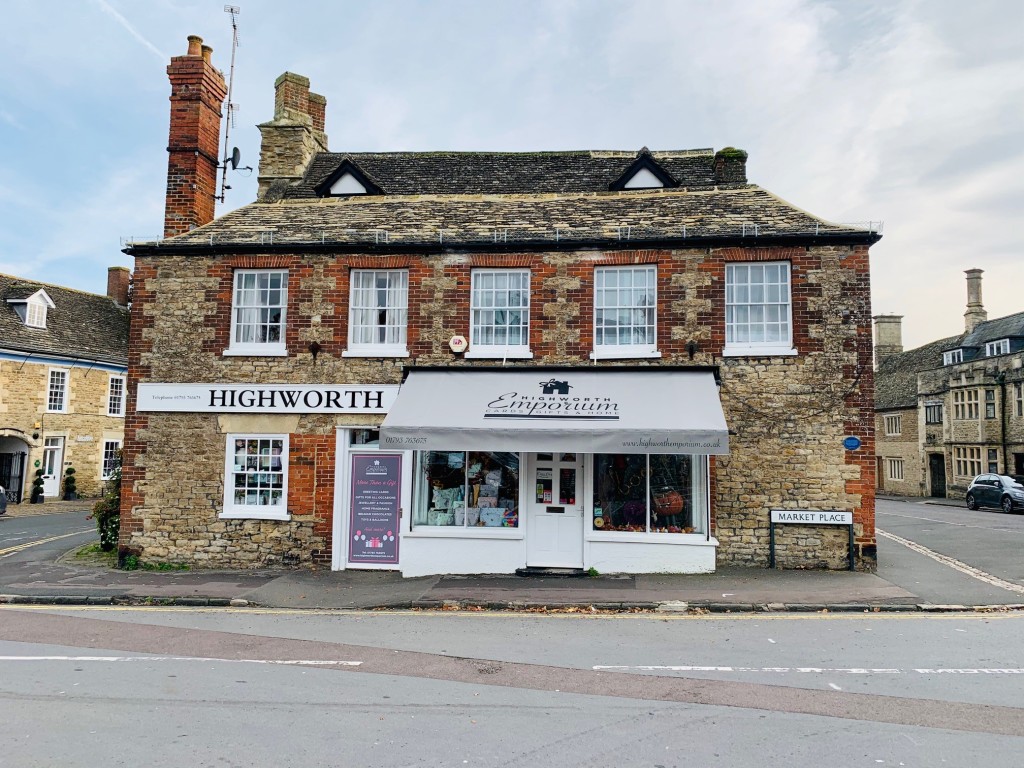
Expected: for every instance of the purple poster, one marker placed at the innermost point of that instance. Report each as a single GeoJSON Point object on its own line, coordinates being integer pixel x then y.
{"type": "Point", "coordinates": [374, 511]}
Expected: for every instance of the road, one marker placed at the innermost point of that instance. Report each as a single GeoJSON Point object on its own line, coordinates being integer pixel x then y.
{"type": "Point", "coordinates": [43, 537]}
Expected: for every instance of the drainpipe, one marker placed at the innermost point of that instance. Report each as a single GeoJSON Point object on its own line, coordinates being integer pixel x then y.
{"type": "Point", "coordinates": [1001, 380]}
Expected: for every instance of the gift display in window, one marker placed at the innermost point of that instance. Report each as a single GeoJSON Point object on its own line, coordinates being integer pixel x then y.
{"type": "Point", "coordinates": [258, 472]}
{"type": "Point", "coordinates": [643, 494]}
{"type": "Point", "coordinates": [455, 488]}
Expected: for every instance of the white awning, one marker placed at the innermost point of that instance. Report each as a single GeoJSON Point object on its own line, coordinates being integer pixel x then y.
{"type": "Point", "coordinates": [610, 410]}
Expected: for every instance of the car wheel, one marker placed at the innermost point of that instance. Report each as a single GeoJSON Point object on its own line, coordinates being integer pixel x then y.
{"type": "Point", "coordinates": [1007, 504]}
{"type": "Point", "coordinates": [972, 503]}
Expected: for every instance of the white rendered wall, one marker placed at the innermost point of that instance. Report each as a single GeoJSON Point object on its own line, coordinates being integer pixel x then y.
{"type": "Point", "coordinates": [644, 557]}
{"type": "Point", "coordinates": [429, 555]}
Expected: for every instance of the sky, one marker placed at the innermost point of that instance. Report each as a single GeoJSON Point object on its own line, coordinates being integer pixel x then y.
{"type": "Point", "coordinates": [908, 112]}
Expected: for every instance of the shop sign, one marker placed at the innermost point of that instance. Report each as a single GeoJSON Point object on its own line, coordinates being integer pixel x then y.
{"type": "Point", "coordinates": [374, 511]}
{"type": "Point", "coordinates": [805, 517]}
{"type": "Point", "coordinates": [554, 400]}
{"type": "Point", "coordinates": [267, 398]}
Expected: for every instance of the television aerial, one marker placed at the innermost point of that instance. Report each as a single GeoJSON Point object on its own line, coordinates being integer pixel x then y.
{"type": "Point", "coordinates": [235, 158]}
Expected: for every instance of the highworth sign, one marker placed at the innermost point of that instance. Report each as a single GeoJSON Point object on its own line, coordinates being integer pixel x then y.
{"type": "Point", "coordinates": [267, 398]}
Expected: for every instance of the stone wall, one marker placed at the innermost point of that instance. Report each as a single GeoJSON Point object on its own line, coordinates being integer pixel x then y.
{"type": "Point", "coordinates": [905, 446]}
{"type": "Point", "coordinates": [787, 415]}
{"type": "Point", "coordinates": [85, 426]}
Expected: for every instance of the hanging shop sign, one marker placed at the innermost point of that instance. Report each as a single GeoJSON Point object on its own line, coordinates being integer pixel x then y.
{"type": "Point", "coordinates": [374, 511]}
{"type": "Point", "coordinates": [267, 398]}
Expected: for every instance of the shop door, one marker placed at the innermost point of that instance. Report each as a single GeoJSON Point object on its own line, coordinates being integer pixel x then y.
{"type": "Point", "coordinates": [554, 533]}
{"type": "Point", "coordinates": [53, 462]}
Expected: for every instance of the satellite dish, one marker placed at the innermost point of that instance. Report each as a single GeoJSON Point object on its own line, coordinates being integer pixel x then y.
{"type": "Point", "coordinates": [235, 159]}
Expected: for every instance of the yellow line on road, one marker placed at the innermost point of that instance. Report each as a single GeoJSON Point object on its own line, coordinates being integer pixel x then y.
{"type": "Point", "coordinates": [26, 545]}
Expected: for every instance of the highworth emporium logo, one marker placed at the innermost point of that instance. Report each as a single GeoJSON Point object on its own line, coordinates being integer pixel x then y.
{"type": "Point", "coordinates": [554, 402]}
{"type": "Point", "coordinates": [376, 468]}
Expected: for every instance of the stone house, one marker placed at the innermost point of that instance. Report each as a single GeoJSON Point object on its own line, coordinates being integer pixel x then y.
{"type": "Point", "coordinates": [63, 376]}
{"type": "Point", "coordinates": [951, 409]}
{"type": "Point", "coordinates": [458, 362]}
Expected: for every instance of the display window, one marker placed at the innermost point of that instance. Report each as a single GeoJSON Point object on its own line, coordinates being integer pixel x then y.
{"type": "Point", "coordinates": [474, 489]}
{"type": "Point", "coordinates": [648, 493]}
{"type": "Point", "coordinates": [257, 476]}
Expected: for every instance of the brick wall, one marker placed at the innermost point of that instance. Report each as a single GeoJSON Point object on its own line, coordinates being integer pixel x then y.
{"type": "Point", "coordinates": [787, 415]}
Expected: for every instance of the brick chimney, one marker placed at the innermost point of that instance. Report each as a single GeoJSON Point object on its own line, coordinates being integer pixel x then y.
{"type": "Point", "coordinates": [118, 280]}
{"type": "Point", "coordinates": [975, 310]}
{"type": "Point", "coordinates": [888, 336]}
{"type": "Point", "coordinates": [730, 166]}
{"type": "Point", "coordinates": [295, 134]}
{"type": "Point", "coordinates": [197, 95]}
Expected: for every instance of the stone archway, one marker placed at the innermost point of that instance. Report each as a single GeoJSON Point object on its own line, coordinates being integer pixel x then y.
{"type": "Point", "coordinates": [14, 451]}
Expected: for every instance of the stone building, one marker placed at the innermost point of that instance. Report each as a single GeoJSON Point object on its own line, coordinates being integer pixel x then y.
{"type": "Point", "coordinates": [951, 409]}
{"type": "Point", "coordinates": [63, 374]}
{"type": "Point", "coordinates": [456, 362]}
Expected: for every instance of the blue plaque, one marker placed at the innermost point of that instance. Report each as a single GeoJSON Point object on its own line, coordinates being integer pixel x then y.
{"type": "Point", "coordinates": [851, 443]}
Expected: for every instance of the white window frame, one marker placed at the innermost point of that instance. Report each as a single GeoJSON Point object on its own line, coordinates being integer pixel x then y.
{"type": "Point", "coordinates": [247, 299]}
{"type": "Point", "coordinates": [395, 315]}
{"type": "Point", "coordinates": [122, 396]}
{"type": "Point", "coordinates": [479, 307]}
{"type": "Point", "coordinates": [741, 299]}
{"type": "Point", "coordinates": [64, 388]}
{"type": "Point", "coordinates": [35, 313]}
{"type": "Point", "coordinates": [895, 468]}
{"type": "Point", "coordinates": [953, 357]}
{"type": "Point", "coordinates": [639, 349]}
{"type": "Point", "coordinates": [994, 348]}
{"type": "Point", "coordinates": [893, 425]}
{"type": "Point", "coordinates": [233, 510]}
{"type": "Point", "coordinates": [108, 457]}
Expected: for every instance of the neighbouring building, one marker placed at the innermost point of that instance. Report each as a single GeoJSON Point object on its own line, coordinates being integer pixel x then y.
{"type": "Point", "coordinates": [63, 375]}
{"type": "Point", "coordinates": [951, 409]}
{"type": "Point", "coordinates": [464, 362]}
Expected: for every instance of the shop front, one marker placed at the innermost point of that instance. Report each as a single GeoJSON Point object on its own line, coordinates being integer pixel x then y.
{"type": "Point", "coordinates": [557, 468]}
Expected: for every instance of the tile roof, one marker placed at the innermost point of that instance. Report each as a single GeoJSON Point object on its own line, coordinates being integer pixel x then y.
{"type": "Point", "coordinates": [896, 377]}
{"type": "Point", "coordinates": [447, 173]}
{"type": "Point", "coordinates": [1011, 326]}
{"type": "Point", "coordinates": [81, 325]}
{"type": "Point", "coordinates": [744, 210]}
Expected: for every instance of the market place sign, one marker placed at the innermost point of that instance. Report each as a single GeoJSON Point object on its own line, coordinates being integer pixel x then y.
{"type": "Point", "coordinates": [266, 398]}
{"type": "Point", "coordinates": [804, 517]}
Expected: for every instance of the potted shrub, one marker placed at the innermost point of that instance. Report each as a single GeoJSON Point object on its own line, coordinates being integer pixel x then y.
{"type": "Point", "coordinates": [37, 488]}
{"type": "Point", "coordinates": [70, 491]}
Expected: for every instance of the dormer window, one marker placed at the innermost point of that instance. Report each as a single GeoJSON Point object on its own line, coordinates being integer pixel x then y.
{"type": "Point", "coordinates": [33, 309]}
{"type": "Point", "coordinates": [952, 357]}
{"type": "Point", "coordinates": [347, 185]}
{"type": "Point", "coordinates": [35, 314]}
{"type": "Point", "coordinates": [1001, 347]}
{"type": "Point", "coordinates": [644, 179]}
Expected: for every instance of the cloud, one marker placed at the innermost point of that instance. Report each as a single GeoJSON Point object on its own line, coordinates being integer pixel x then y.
{"type": "Point", "coordinates": [110, 11]}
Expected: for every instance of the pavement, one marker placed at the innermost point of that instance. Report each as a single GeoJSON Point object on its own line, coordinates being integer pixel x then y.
{"type": "Point", "coordinates": [901, 587]}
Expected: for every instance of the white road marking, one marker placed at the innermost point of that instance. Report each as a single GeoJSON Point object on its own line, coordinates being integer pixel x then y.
{"type": "Point", "coordinates": [955, 564]}
{"type": "Point", "coordinates": [287, 662]}
{"type": "Point", "coordinates": [20, 547]}
{"type": "Point", "coordinates": [813, 670]}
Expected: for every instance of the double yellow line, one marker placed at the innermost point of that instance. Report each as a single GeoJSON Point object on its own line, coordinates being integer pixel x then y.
{"type": "Point", "coordinates": [26, 545]}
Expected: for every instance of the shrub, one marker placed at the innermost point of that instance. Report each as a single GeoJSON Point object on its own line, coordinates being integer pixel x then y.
{"type": "Point", "coordinates": [107, 511]}
{"type": "Point", "coordinates": [70, 486]}
{"type": "Point", "coordinates": [37, 488]}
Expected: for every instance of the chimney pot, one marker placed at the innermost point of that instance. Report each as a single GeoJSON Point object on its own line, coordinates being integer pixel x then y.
{"type": "Point", "coordinates": [975, 313]}
{"type": "Point", "coordinates": [207, 53]}
{"type": "Point", "coordinates": [195, 45]}
{"type": "Point", "coordinates": [118, 280]}
{"type": "Point", "coordinates": [888, 336]}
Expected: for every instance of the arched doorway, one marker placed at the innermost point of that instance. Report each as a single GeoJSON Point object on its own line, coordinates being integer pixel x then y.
{"type": "Point", "coordinates": [13, 463]}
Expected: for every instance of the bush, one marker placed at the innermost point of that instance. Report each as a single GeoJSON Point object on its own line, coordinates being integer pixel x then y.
{"type": "Point", "coordinates": [70, 486]}
{"type": "Point", "coordinates": [107, 511]}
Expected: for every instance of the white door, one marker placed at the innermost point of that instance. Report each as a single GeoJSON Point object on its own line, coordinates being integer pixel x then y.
{"type": "Point", "coordinates": [53, 463]}
{"type": "Point", "coordinates": [554, 533]}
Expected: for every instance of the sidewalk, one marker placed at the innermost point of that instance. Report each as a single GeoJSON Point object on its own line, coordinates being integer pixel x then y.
{"type": "Point", "coordinates": [902, 583]}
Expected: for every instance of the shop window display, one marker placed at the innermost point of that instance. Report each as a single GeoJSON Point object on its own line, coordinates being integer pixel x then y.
{"type": "Point", "coordinates": [467, 489]}
{"type": "Point", "coordinates": [258, 471]}
{"type": "Point", "coordinates": [645, 494]}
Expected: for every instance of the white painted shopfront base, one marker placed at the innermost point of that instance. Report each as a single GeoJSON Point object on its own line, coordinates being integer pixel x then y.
{"type": "Point", "coordinates": [425, 555]}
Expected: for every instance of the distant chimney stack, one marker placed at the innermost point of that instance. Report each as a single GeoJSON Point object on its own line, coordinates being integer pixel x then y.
{"type": "Point", "coordinates": [975, 313]}
{"type": "Point", "coordinates": [730, 166]}
{"type": "Point", "coordinates": [118, 280]}
{"type": "Point", "coordinates": [295, 134]}
{"type": "Point", "coordinates": [888, 336]}
{"type": "Point", "coordinates": [193, 146]}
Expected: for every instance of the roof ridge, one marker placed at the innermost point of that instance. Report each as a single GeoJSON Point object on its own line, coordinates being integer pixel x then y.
{"type": "Point", "coordinates": [40, 283]}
